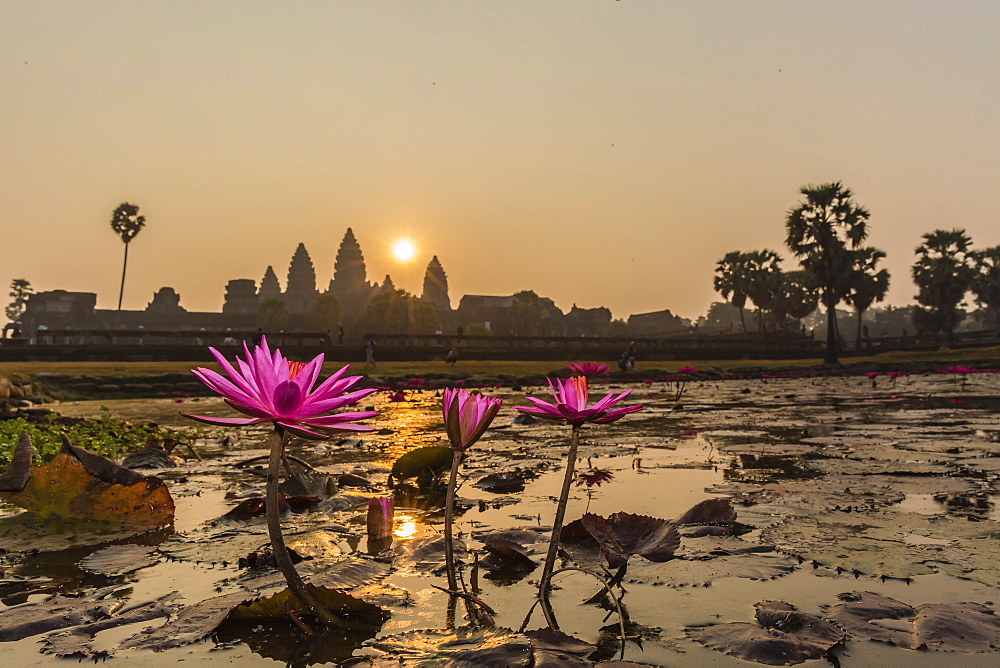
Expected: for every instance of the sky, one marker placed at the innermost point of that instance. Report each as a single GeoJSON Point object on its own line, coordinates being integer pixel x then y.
{"type": "Point", "coordinates": [600, 153]}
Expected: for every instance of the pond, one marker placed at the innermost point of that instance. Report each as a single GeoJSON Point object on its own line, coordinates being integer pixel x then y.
{"type": "Point", "coordinates": [842, 485]}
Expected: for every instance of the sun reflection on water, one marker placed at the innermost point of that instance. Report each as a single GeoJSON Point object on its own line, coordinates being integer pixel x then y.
{"type": "Point", "coordinates": [405, 527]}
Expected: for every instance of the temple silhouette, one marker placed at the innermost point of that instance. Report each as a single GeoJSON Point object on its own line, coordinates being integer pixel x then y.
{"type": "Point", "coordinates": [349, 301]}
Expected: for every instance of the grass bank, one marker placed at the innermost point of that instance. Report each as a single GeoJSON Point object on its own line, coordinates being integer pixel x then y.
{"type": "Point", "coordinates": [495, 368]}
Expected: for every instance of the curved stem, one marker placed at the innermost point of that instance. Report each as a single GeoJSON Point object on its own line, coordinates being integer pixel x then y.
{"type": "Point", "coordinates": [607, 588]}
{"type": "Point", "coordinates": [281, 556]}
{"type": "Point", "coordinates": [449, 510]}
{"type": "Point", "coordinates": [550, 557]}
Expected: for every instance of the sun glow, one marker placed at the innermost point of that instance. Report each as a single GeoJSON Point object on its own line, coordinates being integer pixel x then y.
{"type": "Point", "coordinates": [403, 250]}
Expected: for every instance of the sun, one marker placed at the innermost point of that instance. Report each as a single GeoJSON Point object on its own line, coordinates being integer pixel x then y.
{"type": "Point", "coordinates": [403, 250]}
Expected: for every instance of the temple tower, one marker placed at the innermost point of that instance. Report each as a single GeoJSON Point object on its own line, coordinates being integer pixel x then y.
{"type": "Point", "coordinates": [349, 269]}
{"type": "Point", "coordinates": [436, 286]}
{"type": "Point", "coordinates": [300, 288]}
{"type": "Point", "coordinates": [269, 286]}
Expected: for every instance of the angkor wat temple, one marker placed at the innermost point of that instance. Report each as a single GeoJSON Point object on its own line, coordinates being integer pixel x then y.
{"type": "Point", "coordinates": [350, 301]}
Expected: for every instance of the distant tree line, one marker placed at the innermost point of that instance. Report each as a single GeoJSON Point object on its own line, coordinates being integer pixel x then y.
{"type": "Point", "coordinates": [826, 232]}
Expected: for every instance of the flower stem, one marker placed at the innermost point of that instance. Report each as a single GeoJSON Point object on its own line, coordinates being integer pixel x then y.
{"type": "Point", "coordinates": [449, 511]}
{"type": "Point", "coordinates": [281, 555]}
{"type": "Point", "coordinates": [550, 557]}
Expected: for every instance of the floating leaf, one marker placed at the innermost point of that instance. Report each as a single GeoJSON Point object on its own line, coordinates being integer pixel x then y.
{"type": "Point", "coordinates": [192, 623]}
{"type": "Point", "coordinates": [555, 649]}
{"type": "Point", "coordinates": [425, 555]}
{"type": "Point", "coordinates": [56, 612]}
{"type": "Point", "coordinates": [625, 534]}
{"type": "Point", "coordinates": [501, 483]}
{"type": "Point", "coordinates": [355, 612]}
{"type": "Point", "coordinates": [709, 511]}
{"type": "Point", "coordinates": [77, 484]}
{"type": "Point", "coordinates": [79, 639]}
{"type": "Point", "coordinates": [119, 559]}
{"type": "Point", "coordinates": [782, 636]}
{"type": "Point", "coordinates": [961, 627]}
{"type": "Point", "coordinates": [425, 464]}
{"type": "Point", "coordinates": [463, 647]}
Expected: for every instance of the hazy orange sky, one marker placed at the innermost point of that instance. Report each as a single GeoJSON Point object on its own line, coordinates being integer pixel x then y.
{"type": "Point", "coordinates": [600, 153]}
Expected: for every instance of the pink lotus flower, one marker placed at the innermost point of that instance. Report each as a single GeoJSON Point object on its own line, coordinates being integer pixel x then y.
{"type": "Point", "coordinates": [872, 374]}
{"type": "Point", "coordinates": [380, 511]}
{"type": "Point", "coordinates": [571, 404]}
{"type": "Point", "coordinates": [686, 369]}
{"type": "Point", "coordinates": [467, 415]}
{"type": "Point", "coordinates": [397, 396]}
{"type": "Point", "coordinates": [587, 369]}
{"type": "Point", "coordinates": [269, 388]}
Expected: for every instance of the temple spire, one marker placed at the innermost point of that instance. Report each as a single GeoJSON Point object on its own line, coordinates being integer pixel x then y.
{"type": "Point", "coordinates": [349, 269]}
{"type": "Point", "coordinates": [269, 286]}
{"type": "Point", "coordinates": [436, 285]}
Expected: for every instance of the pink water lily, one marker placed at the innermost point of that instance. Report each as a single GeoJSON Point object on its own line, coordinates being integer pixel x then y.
{"type": "Point", "coordinates": [587, 369]}
{"type": "Point", "coordinates": [270, 388]}
{"type": "Point", "coordinates": [571, 404]}
{"type": "Point", "coordinates": [467, 415]}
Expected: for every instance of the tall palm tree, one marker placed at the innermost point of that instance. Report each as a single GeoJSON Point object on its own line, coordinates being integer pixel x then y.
{"type": "Point", "coordinates": [869, 285]}
{"type": "Point", "coordinates": [126, 222]}
{"type": "Point", "coordinates": [822, 231]}
{"type": "Point", "coordinates": [731, 279]}
{"type": "Point", "coordinates": [943, 272]}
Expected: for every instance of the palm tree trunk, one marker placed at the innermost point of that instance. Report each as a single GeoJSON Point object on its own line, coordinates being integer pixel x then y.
{"type": "Point", "coordinates": [857, 336]}
{"type": "Point", "coordinates": [831, 332]}
{"type": "Point", "coordinates": [121, 291]}
{"type": "Point", "coordinates": [743, 322]}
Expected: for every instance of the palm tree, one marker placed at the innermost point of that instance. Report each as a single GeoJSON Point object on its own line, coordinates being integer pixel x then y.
{"type": "Point", "coordinates": [943, 272]}
{"type": "Point", "coordinates": [763, 282]}
{"type": "Point", "coordinates": [986, 286]}
{"type": "Point", "coordinates": [126, 222]}
{"type": "Point", "coordinates": [823, 230]}
{"type": "Point", "coordinates": [730, 279]}
{"type": "Point", "coordinates": [868, 286]}
{"type": "Point", "coordinates": [795, 298]}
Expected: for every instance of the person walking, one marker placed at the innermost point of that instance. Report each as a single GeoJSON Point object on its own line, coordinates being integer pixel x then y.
{"type": "Point", "coordinates": [369, 351]}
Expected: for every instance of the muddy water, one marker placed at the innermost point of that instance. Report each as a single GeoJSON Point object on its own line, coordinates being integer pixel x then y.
{"type": "Point", "coordinates": [888, 489]}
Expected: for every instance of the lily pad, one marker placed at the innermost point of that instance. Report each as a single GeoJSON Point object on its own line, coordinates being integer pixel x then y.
{"type": "Point", "coordinates": [79, 640]}
{"type": "Point", "coordinates": [782, 636]}
{"type": "Point", "coordinates": [625, 534]}
{"type": "Point", "coordinates": [119, 559]}
{"type": "Point", "coordinates": [464, 647]}
{"type": "Point", "coordinates": [961, 627]}
{"type": "Point", "coordinates": [79, 498]}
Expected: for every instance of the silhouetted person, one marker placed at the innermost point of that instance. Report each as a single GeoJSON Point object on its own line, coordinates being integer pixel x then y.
{"type": "Point", "coordinates": [369, 351]}
{"type": "Point", "coordinates": [340, 335]}
{"type": "Point", "coordinates": [452, 356]}
{"type": "Point", "coordinates": [460, 330]}
{"type": "Point", "coordinates": [258, 337]}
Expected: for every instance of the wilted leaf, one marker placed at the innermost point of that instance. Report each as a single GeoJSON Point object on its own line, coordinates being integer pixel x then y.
{"type": "Point", "coordinates": [462, 647]}
{"type": "Point", "coordinates": [683, 572]}
{"type": "Point", "coordinates": [781, 637]}
{"type": "Point", "coordinates": [625, 534]}
{"type": "Point", "coordinates": [275, 607]}
{"type": "Point", "coordinates": [79, 639]}
{"type": "Point", "coordinates": [56, 612]}
{"type": "Point", "coordinates": [77, 484]}
{"type": "Point", "coordinates": [16, 476]}
{"type": "Point", "coordinates": [309, 483]}
{"type": "Point", "coordinates": [119, 559]}
{"type": "Point", "coordinates": [192, 623]}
